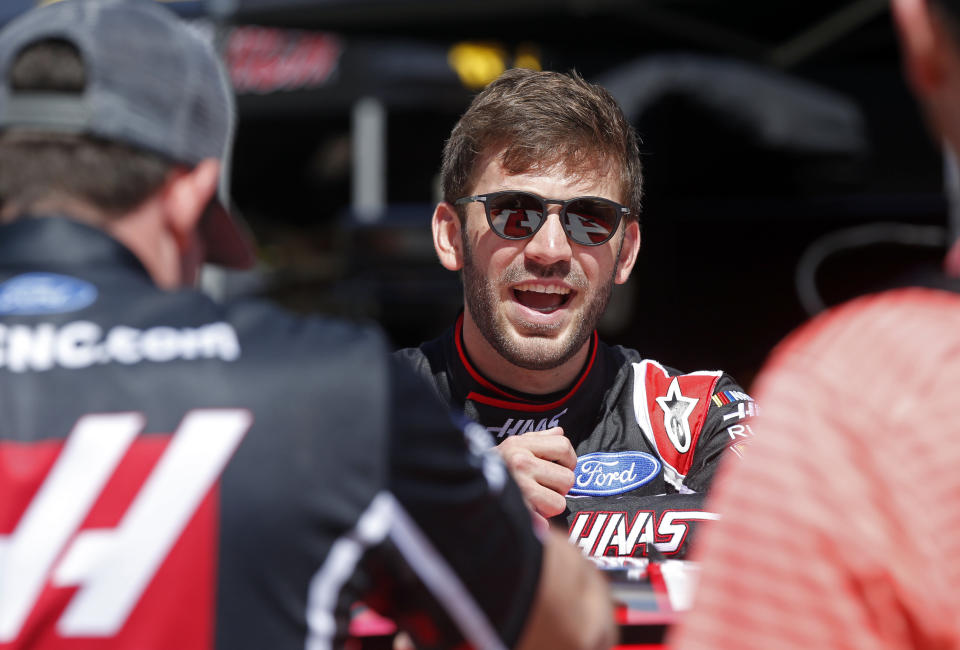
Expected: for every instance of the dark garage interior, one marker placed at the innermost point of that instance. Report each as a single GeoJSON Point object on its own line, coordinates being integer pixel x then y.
{"type": "Point", "coordinates": [782, 149]}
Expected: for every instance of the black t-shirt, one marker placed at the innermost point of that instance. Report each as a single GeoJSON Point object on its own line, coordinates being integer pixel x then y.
{"type": "Point", "coordinates": [179, 474]}
{"type": "Point", "coordinates": [648, 437]}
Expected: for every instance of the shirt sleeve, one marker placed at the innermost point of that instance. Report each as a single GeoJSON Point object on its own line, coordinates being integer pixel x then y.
{"type": "Point", "coordinates": [726, 432]}
{"type": "Point", "coordinates": [465, 541]}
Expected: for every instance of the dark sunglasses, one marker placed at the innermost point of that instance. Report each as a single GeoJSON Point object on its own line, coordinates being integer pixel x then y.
{"type": "Point", "coordinates": [587, 220]}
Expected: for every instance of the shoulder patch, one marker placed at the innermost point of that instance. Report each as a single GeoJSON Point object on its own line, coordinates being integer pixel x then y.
{"type": "Point", "coordinates": [725, 397]}
{"type": "Point", "coordinates": [671, 412]}
{"type": "Point", "coordinates": [606, 473]}
{"type": "Point", "coordinates": [36, 294]}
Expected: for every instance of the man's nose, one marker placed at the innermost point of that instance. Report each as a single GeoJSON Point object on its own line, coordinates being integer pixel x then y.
{"type": "Point", "coordinates": [550, 244]}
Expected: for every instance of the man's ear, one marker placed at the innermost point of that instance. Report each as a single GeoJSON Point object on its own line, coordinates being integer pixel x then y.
{"type": "Point", "coordinates": [446, 236]}
{"type": "Point", "coordinates": [628, 252]}
{"type": "Point", "coordinates": [919, 43]}
{"type": "Point", "coordinates": [186, 196]}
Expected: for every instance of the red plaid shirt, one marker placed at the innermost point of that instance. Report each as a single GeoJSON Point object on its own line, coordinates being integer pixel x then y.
{"type": "Point", "coordinates": [841, 527]}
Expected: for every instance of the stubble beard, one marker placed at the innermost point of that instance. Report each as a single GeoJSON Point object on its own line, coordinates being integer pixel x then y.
{"type": "Point", "coordinates": [539, 348]}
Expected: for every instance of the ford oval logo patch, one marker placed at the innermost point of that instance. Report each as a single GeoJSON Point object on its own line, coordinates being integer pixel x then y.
{"type": "Point", "coordinates": [605, 473]}
{"type": "Point", "coordinates": [36, 294]}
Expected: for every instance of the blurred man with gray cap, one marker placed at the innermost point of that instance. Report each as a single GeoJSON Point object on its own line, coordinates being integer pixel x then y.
{"type": "Point", "coordinates": [176, 473]}
{"type": "Point", "coordinates": [163, 107]}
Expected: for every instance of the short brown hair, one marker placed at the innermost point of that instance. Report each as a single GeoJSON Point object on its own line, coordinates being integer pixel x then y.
{"type": "Point", "coordinates": [542, 119]}
{"type": "Point", "coordinates": [34, 165]}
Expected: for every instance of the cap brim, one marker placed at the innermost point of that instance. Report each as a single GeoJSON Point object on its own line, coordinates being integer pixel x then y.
{"type": "Point", "coordinates": [227, 240]}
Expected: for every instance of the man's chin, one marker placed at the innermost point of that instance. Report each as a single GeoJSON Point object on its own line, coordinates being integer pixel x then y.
{"type": "Point", "coordinates": [537, 334]}
{"type": "Point", "coordinates": [537, 351]}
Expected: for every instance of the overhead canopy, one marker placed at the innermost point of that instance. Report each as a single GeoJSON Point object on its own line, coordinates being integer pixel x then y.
{"type": "Point", "coordinates": [784, 34]}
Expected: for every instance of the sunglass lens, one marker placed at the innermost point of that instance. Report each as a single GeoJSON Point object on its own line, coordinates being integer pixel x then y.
{"type": "Point", "coordinates": [590, 221]}
{"type": "Point", "coordinates": [515, 215]}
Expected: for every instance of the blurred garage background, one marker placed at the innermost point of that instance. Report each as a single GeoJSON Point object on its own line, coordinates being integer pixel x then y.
{"type": "Point", "coordinates": [787, 167]}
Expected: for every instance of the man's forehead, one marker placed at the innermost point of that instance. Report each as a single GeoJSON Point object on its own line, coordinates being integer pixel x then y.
{"type": "Point", "coordinates": [585, 175]}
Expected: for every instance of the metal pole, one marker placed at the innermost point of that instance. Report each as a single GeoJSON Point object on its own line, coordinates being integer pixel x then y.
{"type": "Point", "coordinates": [951, 187]}
{"type": "Point", "coordinates": [369, 189]}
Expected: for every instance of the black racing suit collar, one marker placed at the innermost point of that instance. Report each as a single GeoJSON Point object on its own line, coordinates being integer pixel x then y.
{"type": "Point", "coordinates": [54, 242]}
{"type": "Point", "coordinates": [507, 412]}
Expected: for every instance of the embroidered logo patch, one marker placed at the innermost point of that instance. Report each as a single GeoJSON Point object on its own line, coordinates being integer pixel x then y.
{"type": "Point", "coordinates": [606, 473]}
{"type": "Point", "coordinates": [35, 294]}
{"type": "Point", "coordinates": [671, 412]}
{"type": "Point", "coordinates": [676, 416]}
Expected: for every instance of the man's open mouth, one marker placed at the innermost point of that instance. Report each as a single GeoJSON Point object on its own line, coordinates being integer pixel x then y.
{"type": "Point", "coordinates": [542, 298]}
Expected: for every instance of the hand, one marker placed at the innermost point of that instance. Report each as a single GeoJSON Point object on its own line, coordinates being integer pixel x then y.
{"type": "Point", "coordinates": [402, 641]}
{"type": "Point", "coordinates": [542, 464]}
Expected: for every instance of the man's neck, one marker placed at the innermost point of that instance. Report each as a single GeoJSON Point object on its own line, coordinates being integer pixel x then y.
{"type": "Point", "coordinates": [533, 382]}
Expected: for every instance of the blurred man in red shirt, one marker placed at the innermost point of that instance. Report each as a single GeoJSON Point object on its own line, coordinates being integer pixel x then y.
{"type": "Point", "coordinates": [841, 528]}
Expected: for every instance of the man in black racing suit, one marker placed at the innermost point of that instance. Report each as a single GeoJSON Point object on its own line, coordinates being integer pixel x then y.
{"type": "Point", "coordinates": [177, 473]}
{"type": "Point", "coordinates": [542, 183]}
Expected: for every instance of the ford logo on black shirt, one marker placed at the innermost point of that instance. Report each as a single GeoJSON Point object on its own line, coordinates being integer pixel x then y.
{"type": "Point", "coordinates": [605, 473]}
{"type": "Point", "coordinates": [37, 294]}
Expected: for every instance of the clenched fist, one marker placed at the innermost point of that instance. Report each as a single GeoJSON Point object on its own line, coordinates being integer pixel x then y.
{"type": "Point", "coordinates": [542, 464]}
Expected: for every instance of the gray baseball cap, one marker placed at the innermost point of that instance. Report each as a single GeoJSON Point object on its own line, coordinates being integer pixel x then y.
{"type": "Point", "coordinates": [153, 82]}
